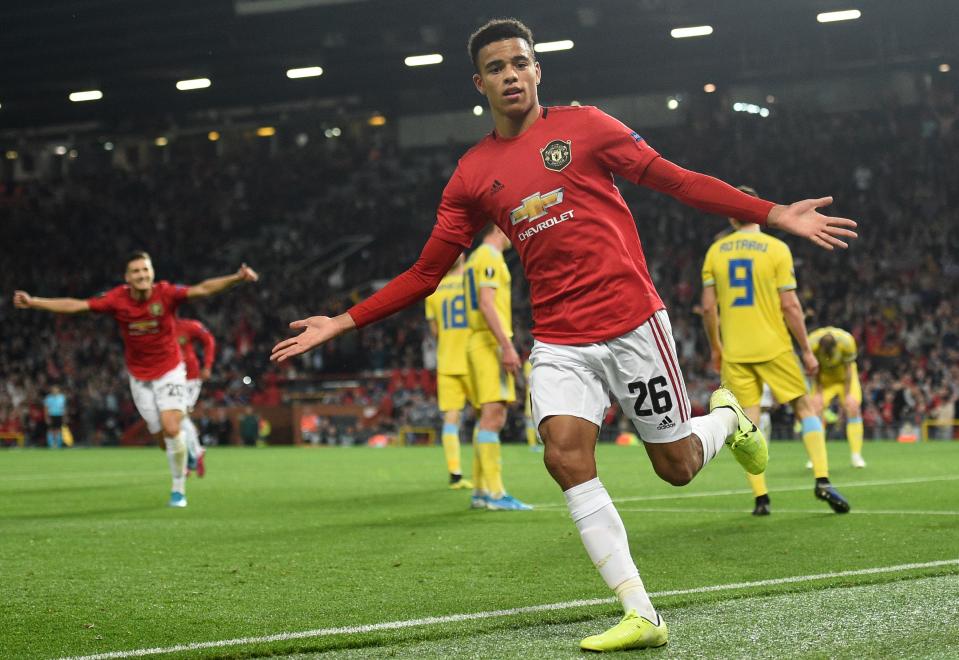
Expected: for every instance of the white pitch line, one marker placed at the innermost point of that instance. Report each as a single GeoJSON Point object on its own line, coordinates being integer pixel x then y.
{"type": "Point", "coordinates": [825, 510]}
{"type": "Point", "coordinates": [473, 616]}
{"type": "Point", "coordinates": [746, 491]}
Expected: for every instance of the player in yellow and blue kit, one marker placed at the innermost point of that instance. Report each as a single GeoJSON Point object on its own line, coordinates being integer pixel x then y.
{"type": "Point", "coordinates": [838, 377]}
{"type": "Point", "coordinates": [749, 299]}
{"type": "Point", "coordinates": [493, 361]}
{"type": "Point", "coordinates": [446, 313]}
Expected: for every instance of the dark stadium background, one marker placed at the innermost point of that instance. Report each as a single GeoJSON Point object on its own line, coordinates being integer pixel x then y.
{"type": "Point", "coordinates": [328, 205]}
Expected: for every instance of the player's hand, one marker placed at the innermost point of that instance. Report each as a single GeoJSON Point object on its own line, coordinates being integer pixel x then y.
{"type": "Point", "coordinates": [810, 363]}
{"type": "Point", "coordinates": [802, 219]}
{"type": "Point", "coordinates": [205, 373]}
{"type": "Point", "coordinates": [510, 359]}
{"type": "Point", "coordinates": [22, 300]}
{"type": "Point", "coordinates": [716, 361]}
{"type": "Point", "coordinates": [247, 274]}
{"type": "Point", "coordinates": [317, 330]}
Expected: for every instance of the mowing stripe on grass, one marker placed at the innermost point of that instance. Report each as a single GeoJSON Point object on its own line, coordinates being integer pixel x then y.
{"type": "Point", "coordinates": [746, 491]}
{"type": "Point", "coordinates": [81, 475]}
{"type": "Point", "coordinates": [473, 616]}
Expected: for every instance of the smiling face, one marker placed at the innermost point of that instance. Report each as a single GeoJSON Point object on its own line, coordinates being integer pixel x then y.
{"type": "Point", "coordinates": [507, 76]}
{"type": "Point", "coordinates": [139, 275]}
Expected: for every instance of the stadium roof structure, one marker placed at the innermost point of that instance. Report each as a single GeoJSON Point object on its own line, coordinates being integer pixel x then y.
{"type": "Point", "coordinates": [135, 52]}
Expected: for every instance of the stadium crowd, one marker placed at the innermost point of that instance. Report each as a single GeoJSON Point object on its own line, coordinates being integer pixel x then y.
{"type": "Point", "coordinates": [201, 214]}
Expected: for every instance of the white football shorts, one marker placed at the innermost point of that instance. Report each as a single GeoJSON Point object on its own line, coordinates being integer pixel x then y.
{"type": "Point", "coordinates": [193, 387]}
{"type": "Point", "coordinates": [168, 392]}
{"type": "Point", "coordinates": [639, 369]}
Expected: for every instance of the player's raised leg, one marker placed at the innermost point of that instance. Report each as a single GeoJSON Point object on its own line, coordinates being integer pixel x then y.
{"type": "Point", "coordinates": [162, 404]}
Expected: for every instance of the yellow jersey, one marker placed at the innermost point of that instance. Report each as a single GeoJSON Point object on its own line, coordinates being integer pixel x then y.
{"type": "Point", "coordinates": [447, 306]}
{"type": "Point", "coordinates": [748, 270]}
{"type": "Point", "coordinates": [487, 268]}
{"type": "Point", "coordinates": [832, 365]}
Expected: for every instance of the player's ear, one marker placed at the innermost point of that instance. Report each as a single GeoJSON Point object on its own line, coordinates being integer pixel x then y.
{"type": "Point", "coordinates": [478, 83]}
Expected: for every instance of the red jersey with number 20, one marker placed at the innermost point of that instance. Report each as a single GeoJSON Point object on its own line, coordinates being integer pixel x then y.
{"type": "Point", "coordinates": [551, 190]}
{"type": "Point", "coordinates": [147, 326]}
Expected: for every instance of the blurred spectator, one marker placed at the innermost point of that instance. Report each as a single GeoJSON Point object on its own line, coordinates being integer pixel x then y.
{"type": "Point", "coordinates": [249, 427]}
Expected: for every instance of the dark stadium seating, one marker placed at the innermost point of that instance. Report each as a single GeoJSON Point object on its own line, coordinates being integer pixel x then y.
{"type": "Point", "coordinates": [201, 215]}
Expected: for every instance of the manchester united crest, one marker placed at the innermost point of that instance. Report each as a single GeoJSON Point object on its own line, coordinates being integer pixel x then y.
{"type": "Point", "coordinates": [156, 309]}
{"type": "Point", "coordinates": [557, 154]}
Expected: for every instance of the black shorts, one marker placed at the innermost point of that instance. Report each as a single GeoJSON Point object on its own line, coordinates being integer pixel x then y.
{"type": "Point", "coordinates": [55, 422]}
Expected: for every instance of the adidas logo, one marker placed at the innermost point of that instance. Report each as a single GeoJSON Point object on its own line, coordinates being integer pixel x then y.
{"type": "Point", "coordinates": [667, 423]}
{"type": "Point", "coordinates": [496, 187]}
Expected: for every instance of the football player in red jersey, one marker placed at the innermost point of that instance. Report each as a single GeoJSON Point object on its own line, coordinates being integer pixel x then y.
{"type": "Point", "coordinates": [145, 311]}
{"type": "Point", "coordinates": [545, 176]}
{"type": "Point", "coordinates": [187, 332]}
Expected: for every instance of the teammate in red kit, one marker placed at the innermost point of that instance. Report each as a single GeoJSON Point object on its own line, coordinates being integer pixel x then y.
{"type": "Point", "coordinates": [545, 176]}
{"type": "Point", "coordinates": [189, 331]}
{"type": "Point", "coordinates": [145, 312]}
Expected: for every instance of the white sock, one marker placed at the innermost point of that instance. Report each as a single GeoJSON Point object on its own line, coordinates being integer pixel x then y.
{"type": "Point", "coordinates": [176, 455]}
{"type": "Point", "coordinates": [713, 429]}
{"type": "Point", "coordinates": [604, 536]}
{"type": "Point", "coordinates": [192, 436]}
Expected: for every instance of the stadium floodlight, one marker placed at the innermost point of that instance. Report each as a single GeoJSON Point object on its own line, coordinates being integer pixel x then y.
{"type": "Point", "coordinates": [193, 83]}
{"type": "Point", "coordinates": [478, 110]}
{"type": "Point", "coordinates": [551, 46]}
{"type": "Point", "coordinates": [60, 150]}
{"type": "Point", "coordinates": [108, 146]}
{"type": "Point", "coordinates": [944, 68]}
{"type": "Point", "coordinates": [709, 88]}
{"type": "Point", "coordinates": [87, 95]}
{"type": "Point", "coordinates": [161, 141]}
{"type": "Point", "coordinates": [834, 16]}
{"type": "Point", "coordinates": [423, 60]}
{"type": "Point", "coordinates": [265, 131]}
{"type": "Point", "coordinates": [12, 155]}
{"type": "Point", "coordinates": [213, 136]}
{"type": "Point", "coordinates": [376, 120]}
{"type": "Point", "coordinates": [751, 108]}
{"type": "Point", "coordinates": [692, 31]}
{"type": "Point", "coordinates": [305, 72]}
{"type": "Point", "coordinates": [672, 103]}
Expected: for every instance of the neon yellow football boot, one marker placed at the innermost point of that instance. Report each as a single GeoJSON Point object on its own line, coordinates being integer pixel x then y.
{"type": "Point", "coordinates": [747, 442]}
{"type": "Point", "coordinates": [461, 484]}
{"type": "Point", "coordinates": [633, 632]}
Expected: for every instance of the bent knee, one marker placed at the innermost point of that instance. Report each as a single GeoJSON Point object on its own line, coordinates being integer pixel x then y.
{"type": "Point", "coordinates": [676, 474]}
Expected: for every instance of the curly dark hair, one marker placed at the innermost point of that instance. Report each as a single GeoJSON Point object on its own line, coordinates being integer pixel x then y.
{"type": "Point", "coordinates": [498, 29]}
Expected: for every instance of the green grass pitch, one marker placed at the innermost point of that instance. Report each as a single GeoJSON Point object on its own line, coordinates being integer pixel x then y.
{"type": "Point", "coordinates": [284, 540]}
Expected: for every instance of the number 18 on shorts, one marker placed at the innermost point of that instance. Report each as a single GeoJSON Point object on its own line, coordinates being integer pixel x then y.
{"type": "Point", "coordinates": [639, 369]}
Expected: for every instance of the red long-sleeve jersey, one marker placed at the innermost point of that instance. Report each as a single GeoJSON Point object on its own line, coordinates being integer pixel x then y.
{"type": "Point", "coordinates": [187, 332]}
{"type": "Point", "coordinates": [552, 191]}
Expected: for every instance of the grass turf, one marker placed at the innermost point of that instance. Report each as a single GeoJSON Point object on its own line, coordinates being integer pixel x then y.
{"type": "Point", "coordinates": [292, 539]}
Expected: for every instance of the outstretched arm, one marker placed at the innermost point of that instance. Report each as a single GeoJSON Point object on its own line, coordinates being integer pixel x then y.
{"type": "Point", "coordinates": [713, 196]}
{"type": "Point", "coordinates": [23, 300]}
{"type": "Point", "coordinates": [419, 281]}
{"type": "Point", "coordinates": [215, 285]}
